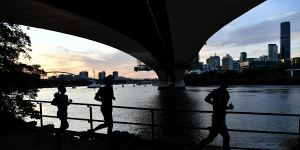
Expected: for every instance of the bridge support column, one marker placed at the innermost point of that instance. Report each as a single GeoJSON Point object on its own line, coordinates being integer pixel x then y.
{"type": "Point", "coordinates": [163, 85]}
{"type": "Point", "coordinates": [179, 79]}
{"type": "Point", "coordinates": [166, 82]}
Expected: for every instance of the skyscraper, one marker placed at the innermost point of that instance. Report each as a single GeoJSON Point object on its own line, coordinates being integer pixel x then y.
{"type": "Point", "coordinates": [272, 51]}
{"type": "Point", "coordinates": [227, 62]}
{"type": "Point", "coordinates": [213, 62]}
{"type": "Point", "coordinates": [236, 65]}
{"type": "Point", "coordinates": [243, 57]}
{"type": "Point", "coordinates": [285, 42]}
{"type": "Point", "coordinates": [101, 75]}
{"type": "Point", "coordinates": [84, 74]}
{"type": "Point", "coordinates": [115, 74]}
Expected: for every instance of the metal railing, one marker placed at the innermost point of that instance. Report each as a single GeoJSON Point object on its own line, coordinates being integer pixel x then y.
{"type": "Point", "coordinates": [153, 124]}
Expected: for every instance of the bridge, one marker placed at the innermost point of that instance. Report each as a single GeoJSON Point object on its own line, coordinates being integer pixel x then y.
{"type": "Point", "coordinates": [164, 34]}
{"type": "Point", "coordinates": [56, 72]}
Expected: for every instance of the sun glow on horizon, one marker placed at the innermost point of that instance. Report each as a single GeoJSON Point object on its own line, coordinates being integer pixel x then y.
{"type": "Point", "coordinates": [56, 51]}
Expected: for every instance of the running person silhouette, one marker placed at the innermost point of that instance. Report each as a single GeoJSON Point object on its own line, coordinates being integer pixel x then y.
{"type": "Point", "coordinates": [105, 95]}
{"type": "Point", "coordinates": [219, 99]}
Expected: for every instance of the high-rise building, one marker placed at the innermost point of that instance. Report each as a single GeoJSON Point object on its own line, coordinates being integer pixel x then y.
{"type": "Point", "coordinates": [101, 75]}
{"type": "Point", "coordinates": [243, 57]}
{"type": "Point", "coordinates": [285, 42]}
{"type": "Point", "coordinates": [227, 62]}
{"type": "Point", "coordinates": [84, 74]}
{"type": "Point", "coordinates": [115, 74]}
{"type": "Point", "coordinates": [272, 51]}
{"type": "Point", "coordinates": [236, 65]}
{"type": "Point", "coordinates": [213, 62]}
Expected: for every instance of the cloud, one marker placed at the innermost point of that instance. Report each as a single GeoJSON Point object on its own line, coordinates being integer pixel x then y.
{"type": "Point", "coordinates": [60, 58]}
{"type": "Point", "coordinates": [282, 16]}
{"type": "Point", "coordinates": [268, 30]}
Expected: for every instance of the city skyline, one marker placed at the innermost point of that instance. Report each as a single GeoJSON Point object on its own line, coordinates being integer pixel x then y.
{"type": "Point", "coordinates": [284, 44]}
{"type": "Point", "coordinates": [252, 32]}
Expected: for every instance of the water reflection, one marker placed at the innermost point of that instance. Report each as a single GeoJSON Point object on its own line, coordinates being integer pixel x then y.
{"type": "Point", "coordinates": [178, 100]}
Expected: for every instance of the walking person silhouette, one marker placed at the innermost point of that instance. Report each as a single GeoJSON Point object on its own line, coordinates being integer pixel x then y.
{"type": "Point", "coordinates": [62, 102]}
{"type": "Point", "coordinates": [105, 95]}
{"type": "Point", "coordinates": [219, 99]}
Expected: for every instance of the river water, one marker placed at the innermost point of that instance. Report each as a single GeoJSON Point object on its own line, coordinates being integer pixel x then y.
{"type": "Point", "coordinates": [271, 99]}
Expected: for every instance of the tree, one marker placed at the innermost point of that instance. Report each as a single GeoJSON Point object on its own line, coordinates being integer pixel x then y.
{"type": "Point", "coordinates": [18, 80]}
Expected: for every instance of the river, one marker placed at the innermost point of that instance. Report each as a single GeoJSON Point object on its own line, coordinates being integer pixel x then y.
{"type": "Point", "coordinates": [271, 99]}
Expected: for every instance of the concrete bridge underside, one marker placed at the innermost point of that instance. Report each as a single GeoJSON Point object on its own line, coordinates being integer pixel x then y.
{"type": "Point", "coordinates": [164, 34]}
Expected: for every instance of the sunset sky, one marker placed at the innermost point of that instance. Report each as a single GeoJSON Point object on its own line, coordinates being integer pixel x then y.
{"type": "Point", "coordinates": [251, 32]}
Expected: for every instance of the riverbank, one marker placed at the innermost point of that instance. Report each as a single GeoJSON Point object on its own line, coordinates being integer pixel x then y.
{"type": "Point", "coordinates": [248, 77]}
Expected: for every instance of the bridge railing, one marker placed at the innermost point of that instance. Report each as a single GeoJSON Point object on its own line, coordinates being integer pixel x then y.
{"type": "Point", "coordinates": [153, 125]}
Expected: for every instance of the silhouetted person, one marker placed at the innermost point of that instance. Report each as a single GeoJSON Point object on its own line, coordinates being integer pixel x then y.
{"type": "Point", "coordinates": [105, 95]}
{"type": "Point", "coordinates": [62, 102]}
{"type": "Point", "coordinates": [219, 99]}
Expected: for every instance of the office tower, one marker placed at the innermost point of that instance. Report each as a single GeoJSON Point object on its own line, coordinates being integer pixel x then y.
{"type": "Point", "coordinates": [101, 75]}
{"type": "Point", "coordinates": [227, 62]}
{"type": "Point", "coordinates": [243, 57]}
{"type": "Point", "coordinates": [115, 74]}
{"type": "Point", "coordinates": [236, 65]}
{"type": "Point", "coordinates": [285, 42]}
{"type": "Point", "coordinates": [213, 62]}
{"type": "Point", "coordinates": [84, 74]}
{"type": "Point", "coordinates": [272, 51]}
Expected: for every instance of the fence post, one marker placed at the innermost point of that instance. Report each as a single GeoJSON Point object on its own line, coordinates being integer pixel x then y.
{"type": "Point", "coordinates": [41, 114]}
{"type": "Point", "coordinates": [91, 117]}
{"type": "Point", "coordinates": [152, 123]}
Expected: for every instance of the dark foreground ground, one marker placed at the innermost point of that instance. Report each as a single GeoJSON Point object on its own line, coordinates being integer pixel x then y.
{"type": "Point", "coordinates": [45, 139]}
{"type": "Point", "coordinates": [37, 139]}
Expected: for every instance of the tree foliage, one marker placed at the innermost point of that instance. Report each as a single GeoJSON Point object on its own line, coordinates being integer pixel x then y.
{"type": "Point", "coordinates": [18, 80]}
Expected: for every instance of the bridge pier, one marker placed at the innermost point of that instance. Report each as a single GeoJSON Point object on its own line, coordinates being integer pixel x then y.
{"type": "Point", "coordinates": [163, 85]}
{"type": "Point", "coordinates": [164, 80]}
{"type": "Point", "coordinates": [168, 83]}
{"type": "Point", "coordinates": [179, 79]}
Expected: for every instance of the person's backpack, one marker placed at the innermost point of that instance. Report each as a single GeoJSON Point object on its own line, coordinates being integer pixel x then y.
{"type": "Point", "coordinates": [55, 100]}
{"type": "Point", "coordinates": [99, 94]}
